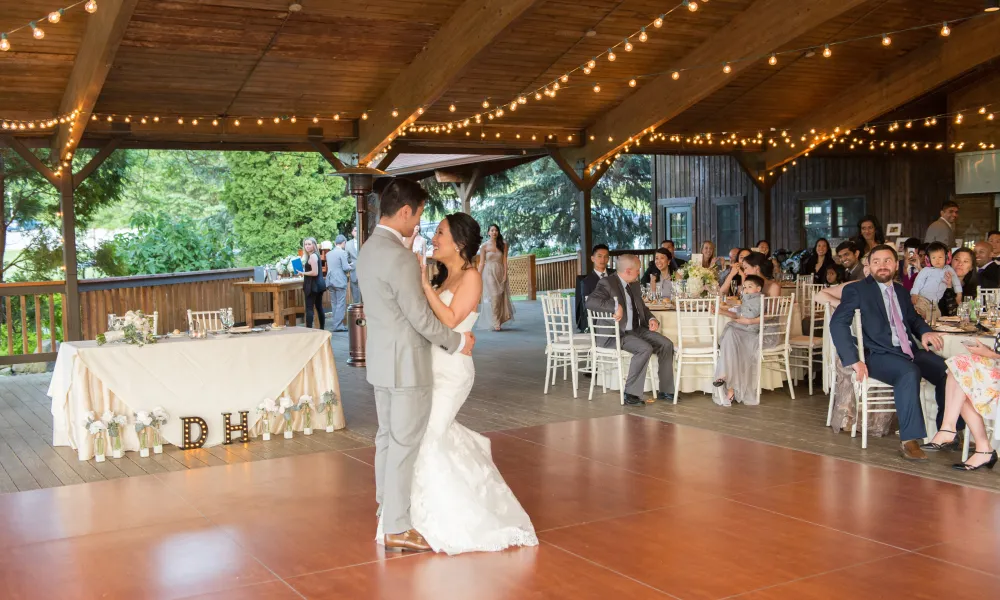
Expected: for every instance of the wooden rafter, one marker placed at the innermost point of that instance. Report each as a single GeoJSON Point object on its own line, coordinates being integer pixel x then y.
{"type": "Point", "coordinates": [764, 27]}
{"type": "Point", "coordinates": [909, 77]}
{"type": "Point", "coordinates": [105, 30]}
{"type": "Point", "coordinates": [469, 31]}
{"type": "Point", "coordinates": [29, 157]}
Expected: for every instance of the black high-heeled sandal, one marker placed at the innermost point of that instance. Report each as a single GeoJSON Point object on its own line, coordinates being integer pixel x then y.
{"type": "Point", "coordinates": [989, 465]}
{"type": "Point", "coordinates": [932, 447]}
{"type": "Point", "coordinates": [719, 382]}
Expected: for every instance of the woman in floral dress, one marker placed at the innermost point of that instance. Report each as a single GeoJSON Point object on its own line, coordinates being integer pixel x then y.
{"type": "Point", "coordinates": [973, 391]}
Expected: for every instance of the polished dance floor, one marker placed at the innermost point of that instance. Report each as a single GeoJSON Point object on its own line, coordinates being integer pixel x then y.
{"type": "Point", "coordinates": [625, 506]}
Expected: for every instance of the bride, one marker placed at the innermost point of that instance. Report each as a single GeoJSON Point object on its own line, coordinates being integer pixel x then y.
{"type": "Point", "coordinates": [459, 501]}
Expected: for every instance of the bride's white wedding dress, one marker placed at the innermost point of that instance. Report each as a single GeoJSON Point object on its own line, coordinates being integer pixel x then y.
{"type": "Point", "coordinates": [459, 501]}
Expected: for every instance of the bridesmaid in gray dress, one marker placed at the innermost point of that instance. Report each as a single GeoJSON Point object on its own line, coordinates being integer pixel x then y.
{"type": "Point", "coordinates": [497, 308]}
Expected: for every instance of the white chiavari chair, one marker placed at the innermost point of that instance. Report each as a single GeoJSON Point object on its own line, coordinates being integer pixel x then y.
{"type": "Point", "coordinates": [807, 350]}
{"type": "Point", "coordinates": [697, 337]}
{"type": "Point", "coordinates": [873, 396]}
{"type": "Point", "coordinates": [801, 281]}
{"type": "Point", "coordinates": [118, 321]}
{"type": "Point", "coordinates": [988, 297]}
{"type": "Point", "coordinates": [775, 351]}
{"type": "Point", "coordinates": [606, 361]}
{"type": "Point", "coordinates": [207, 319]}
{"type": "Point", "coordinates": [563, 348]}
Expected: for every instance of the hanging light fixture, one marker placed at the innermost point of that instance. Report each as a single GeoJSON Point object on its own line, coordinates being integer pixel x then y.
{"type": "Point", "coordinates": [992, 6]}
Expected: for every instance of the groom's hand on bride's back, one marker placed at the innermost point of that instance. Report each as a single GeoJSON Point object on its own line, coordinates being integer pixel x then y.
{"type": "Point", "coordinates": [470, 341]}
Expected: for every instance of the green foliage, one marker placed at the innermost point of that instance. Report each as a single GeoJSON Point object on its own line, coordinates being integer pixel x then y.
{"type": "Point", "coordinates": [31, 204]}
{"type": "Point", "coordinates": [168, 243]}
{"type": "Point", "coordinates": [278, 199]}
{"type": "Point", "coordinates": [536, 206]}
{"type": "Point", "coordinates": [17, 334]}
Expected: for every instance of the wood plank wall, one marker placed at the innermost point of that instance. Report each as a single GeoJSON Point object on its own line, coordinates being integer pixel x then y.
{"type": "Point", "coordinates": [907, 189]}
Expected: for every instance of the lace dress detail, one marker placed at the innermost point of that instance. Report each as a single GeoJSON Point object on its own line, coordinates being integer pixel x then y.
{"type": "Point", "coordinates": [459, 501]}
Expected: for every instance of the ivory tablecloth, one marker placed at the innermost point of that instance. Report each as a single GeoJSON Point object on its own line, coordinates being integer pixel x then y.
{"type": "Point", "coordinates": [190, 378]}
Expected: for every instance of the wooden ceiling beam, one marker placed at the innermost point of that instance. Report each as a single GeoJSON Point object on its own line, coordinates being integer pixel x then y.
{"type": "Point", "coordinates": [764, 27]}
{"type": "Point", "coordinates": [105, 30]}
{"type": "Point", "coordinates": [469, 31]}
{"type": "Point", "coordinates": [920, 71]}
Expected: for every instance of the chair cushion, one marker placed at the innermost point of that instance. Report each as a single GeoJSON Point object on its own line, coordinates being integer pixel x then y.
{"type": "Point", "coordinates": [803, 341]}
{"type": "Point", "coordinates": [579, 339]}
{"type": "Point", "coordinates": [707, 349]}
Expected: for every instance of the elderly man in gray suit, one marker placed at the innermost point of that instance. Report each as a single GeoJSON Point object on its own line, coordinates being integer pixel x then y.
{"type": "Point", "coordinates": [620, 294]}
{"type": "Point", "coordinates": [401, 329]}
{"type": "Point", "coordinates": [352, 257]}
{"type": "Point", "coordinates": [337, 269]}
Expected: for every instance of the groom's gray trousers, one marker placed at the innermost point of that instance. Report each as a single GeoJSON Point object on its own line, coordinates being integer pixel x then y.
{"type": "Point", "coordinates": [402, 419]}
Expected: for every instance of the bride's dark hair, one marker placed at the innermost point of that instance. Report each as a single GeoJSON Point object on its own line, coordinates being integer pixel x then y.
{"type": "Point", "coordinates": [466, 233]}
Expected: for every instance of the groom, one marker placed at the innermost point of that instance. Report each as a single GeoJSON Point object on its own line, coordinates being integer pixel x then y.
{"type": "Point", "coordinates": [401, 330]}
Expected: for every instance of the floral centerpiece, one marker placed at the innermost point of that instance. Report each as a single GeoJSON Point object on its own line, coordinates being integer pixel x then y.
{"type": "Point", "coordinates": [264, 411]}
{"type": "Point", "coordinates": [284, 266]}
{"type": "Point", "coordinates": [96, 428]}
{"type": "Point", "coordinates": [285, 408]}
{"type": "Point", "coordinates": [135, 328]}
{"type": "Point", "coordinates": [698, 281]}
{"type": "Point", "coordinates": [305, 407]}
{"type": "Point", "coordinates": [160, 418]}
{"type": "Point", "coordinates": [143, 421]}
{"type": "Point", "coordinates": [115, 423]}
{"type": "Point", "coordinates": [328, 400]}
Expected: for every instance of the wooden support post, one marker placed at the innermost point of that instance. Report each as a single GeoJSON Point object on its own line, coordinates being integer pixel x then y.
{"type": "Point", "coordinates": [71, 307]}
{"type": "Point", "coordinates": [586, 230]}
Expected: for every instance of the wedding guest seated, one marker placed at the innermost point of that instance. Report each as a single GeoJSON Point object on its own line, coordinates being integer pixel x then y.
{"type": "Point", "coordinates": [834, 275]}
{"type": "Point", "coordinates": [971, 393]}
{"type": "Point", "coordinates": [911, 263]}
{"type": "Point", "coordinates": [850, 259]}
{"type": "Point", "coordinates": [757, 264]}
{"type": "Point", "coordinates": [764, 247]}
{"type": "Point", "coordinates": [619, 294]}
{"type": "Point", "coordinates": [819, 262]}
{"type": "Point", "coordinates": [962, 262]}
{"type": "Point", "coordinates": [739, 360]}
{"type": "Point", "coordinates": [733, 281]}
{"type": "Point", "coordinates": [734, 255]}
{"type": "Point", "coordinates": [932, 281]}
{"type": "Point", "coordinates": [675, 263]}
{"type": "Point", "coordinates": [600, 256]}
{"type": "Point", "coordinates": [708, 258]}
{"type": "Point", "coordinates": [987, 269]}
{"type": "Point", "coordinates": [888, 324]}
{"type": "Point", "coordinates": [659, 269]}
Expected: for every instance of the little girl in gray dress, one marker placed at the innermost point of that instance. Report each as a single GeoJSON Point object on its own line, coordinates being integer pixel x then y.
{"type": "Point", "coordinates": [736, 370]}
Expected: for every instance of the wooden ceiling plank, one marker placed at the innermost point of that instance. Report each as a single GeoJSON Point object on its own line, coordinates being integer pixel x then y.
{"type": "Point", "coordinates": [765, 26]}
{"type": "Point", "coordinates": [469, 31]}
{"type": "Point", "coordinates": [915, 74]}
{"type": "Point", "coordinates": [105, 30]}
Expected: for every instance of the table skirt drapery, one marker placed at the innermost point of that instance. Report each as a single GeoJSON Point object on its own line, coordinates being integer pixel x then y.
{"type": "Point", "coordinates": [191, 378]}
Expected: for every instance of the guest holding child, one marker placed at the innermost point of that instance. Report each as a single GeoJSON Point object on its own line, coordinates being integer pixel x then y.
{"type": "Point", "coordinates": [929, 287]}
{"type": "Point", "coordinates": [736, 369]}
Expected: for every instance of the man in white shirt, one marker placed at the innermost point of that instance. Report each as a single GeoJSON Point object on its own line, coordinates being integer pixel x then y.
{"type": "Point", "coordinates": [943, 230]}
{"type": "Point", "coordinates": [619, 294]}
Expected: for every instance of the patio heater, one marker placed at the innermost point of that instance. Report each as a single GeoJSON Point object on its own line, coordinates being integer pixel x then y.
{"type": "Point", "coordinates": [360, 181]}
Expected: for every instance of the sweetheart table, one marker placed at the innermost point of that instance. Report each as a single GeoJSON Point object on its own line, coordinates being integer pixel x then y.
{"type": "Point", "coordinates": [190, 378]}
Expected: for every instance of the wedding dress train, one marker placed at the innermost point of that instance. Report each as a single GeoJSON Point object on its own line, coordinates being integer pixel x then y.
{"type": "Point", "coordinates": [459, 501]}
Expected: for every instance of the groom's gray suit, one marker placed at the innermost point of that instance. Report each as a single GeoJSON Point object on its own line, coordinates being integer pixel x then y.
{"type": "Point", "coordinates": [401, 329]}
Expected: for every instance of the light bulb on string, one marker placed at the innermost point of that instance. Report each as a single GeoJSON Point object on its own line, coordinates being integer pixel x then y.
{"type": "Point", "coordinates": [611, 55]}
{"type": "Point", "coordinates": [586, 70]}
{"type": "Point", "coordinates": [4, 44]}
{"type": "Point", "coordinates": [395, 112]}
{"type": "Point", "coordinates": [364, 116]}
{"type": "Point", "coordinates": [945, 30]}
{"type": "Point", "coordinates": [36, 31]}
{"type": "Point", "coordinates": [293, 119]}
{"type": "Point", "coordinates": [675, 75]}
{"type": "Point", "coordinates": [276, 120]}
{"type": "Point", "coordinates": [336, 116]}
{"type": "Point", "coordinates": [452, 108]}
{"type": "Point", "coordinates": [982, 110]}
{"type": "Point", "coordinates": [592, 63]}
{"type": "Point", "coordinates": [627, 46]}
{"type": "Point", "coordinates": [522, 100]}
{"type": "Point", "coordinates": [658, 21]}
{"type": "Point", "coordinates": [632, 82]}
{"type": "Point", "coordinates": [236, 122]}
{"type": "Point", "coordinates": [692, 5]}
{"type": "Point", "coordinates": [886, 40]}
{"type": "Point", "coordinates": [90, 6]}
{"type": "Point", "coordinates": [727, 69]}
{"type": "Point", "coordinates": [564, 78]}
{"type": "Point", "coordinates": [260, 122]}
{"type": "Point", "coordinates": [642, 35]}
{"type": "Point", "coordinates": [597, 87]}
{"type": "Point", "coordinates": [215, 122]}
{"type": "Point", "coordinates": [486, 103]}
{"type": "Point", "coordinates": [555, 85]}
{"type": "Point", "coordinates": [773, 60]}
{"type": "Point", "coordinates": [56, 15]}
{"type": "Point", "coordinates": [827, 53]}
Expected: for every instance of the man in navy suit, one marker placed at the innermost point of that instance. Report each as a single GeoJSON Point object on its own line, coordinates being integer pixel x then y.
{"type": "Point", "coordinates": [600, 256]}
{"type": "Point", "coordinates": [889, 324]}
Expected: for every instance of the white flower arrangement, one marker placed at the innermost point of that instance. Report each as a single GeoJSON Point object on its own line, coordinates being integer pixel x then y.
{"type": "Point", "coordinates": [160, 418]}
{"type": "Point", "coordinates": [285, 408]}
{"type": "Point", "coordinates": [328, 400]}
{"type": "Point", "coordinates": [143, 421]}
{"type": "Point", "coordinates": [265, 410]}
{"type": "Point", "coordinates": [96, 428]}
{"type": "Point", "coordinates": [135, 328]}
{"type": "Point", "coordinates": [284, 266]}
{"type": "Point", "coordinates": [696, 278]}
{"type": "Point", "coordinates": [115, 424]}
{"type": "Point", "coordinates": [305, 406]}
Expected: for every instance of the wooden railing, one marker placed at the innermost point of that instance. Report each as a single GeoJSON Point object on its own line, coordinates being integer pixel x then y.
{"type": "Point", "coordinates": [168, 295]}
{"type": "Point", "coordinates": [557, 272]}
{"type": "Point", "coordinates": [32, 319]}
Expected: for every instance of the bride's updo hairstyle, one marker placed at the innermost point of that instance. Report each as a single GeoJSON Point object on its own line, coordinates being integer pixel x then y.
{"type": "Point", "coordinates": [467, 236]}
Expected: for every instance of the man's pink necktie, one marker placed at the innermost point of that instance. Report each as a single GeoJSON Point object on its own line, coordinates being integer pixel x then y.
{"type": "Point", "coordinates": [897, 323]}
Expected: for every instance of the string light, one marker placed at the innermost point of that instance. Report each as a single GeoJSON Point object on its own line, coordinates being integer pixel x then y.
{"type": "Point", "coordinates": [675, 75]}
{"type": "Point", "coordinates": [452, 108]}
{"type": "Point", "coordinates": [52, 17]}
{"type": "Point", "coordinates": [632, 82]}
{"type": "Point", "coordinates": [36, 31]}
{"type": "Point", "coordinates": [827, 53]}
{"type": "Point", "coordinates": [597, 87]}
{"type": "Point", "coordinates": [90, 6]}
{"type": "Point", "coordinates": [395, 112]}
{"type": "Point", "coordinates": [692, 5]}
{"type": "Point", "coordinates": [945, 30]}
{"type": "Point", "coordinates": [56, 15]}
{"type": "Point", "coordinates": [727, 69]}
{"type": "Point", "coordinates": [4, 44]}
{"type": "Point", "coordinates": [658, 21]}
{"type": "Point", "coordinates": [773, 60]}
{"type": "Point", "coordinates": [642, 35]}
{"type": "Point", "coordinates": [611, 55]}
{"type": "Point", "coordinates": [886, 40]}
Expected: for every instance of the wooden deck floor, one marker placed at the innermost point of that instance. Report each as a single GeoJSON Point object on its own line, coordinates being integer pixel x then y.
{"type": "Point", "coordinates": [507, 395]}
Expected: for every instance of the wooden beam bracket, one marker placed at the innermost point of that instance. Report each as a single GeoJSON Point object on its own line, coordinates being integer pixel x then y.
{"type": "Point", "coordinates": [29, 157]}
{"type": "Point", "coordinates": [95, 163]}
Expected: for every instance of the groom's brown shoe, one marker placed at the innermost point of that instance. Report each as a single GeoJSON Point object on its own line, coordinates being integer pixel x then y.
{"type": "Point", "coordinates": [408, 541]}
{"type": "Point", "coordinates": [910, 450]}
